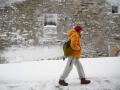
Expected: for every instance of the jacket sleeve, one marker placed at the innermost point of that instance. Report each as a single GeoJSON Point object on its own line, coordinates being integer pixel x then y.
{"type": "Point", "coordinates": [74, 42]}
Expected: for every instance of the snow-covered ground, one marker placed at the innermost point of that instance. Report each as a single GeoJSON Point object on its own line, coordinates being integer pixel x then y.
{"type": "Point", "coordinates": [43, 75]}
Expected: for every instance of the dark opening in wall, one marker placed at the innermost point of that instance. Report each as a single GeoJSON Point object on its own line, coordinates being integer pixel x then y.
{"type": "Point", "coordinates": [114, 9]}
{"type": "Point", "coordinates": [50, 19]}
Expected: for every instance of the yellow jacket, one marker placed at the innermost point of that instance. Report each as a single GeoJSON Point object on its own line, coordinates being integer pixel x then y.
{"type": "Point", "coordinates": [74, 36]}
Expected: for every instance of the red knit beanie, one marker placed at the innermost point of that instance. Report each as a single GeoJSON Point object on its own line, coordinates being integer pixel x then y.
{"type": "Point", "coordinates": [78, 28]}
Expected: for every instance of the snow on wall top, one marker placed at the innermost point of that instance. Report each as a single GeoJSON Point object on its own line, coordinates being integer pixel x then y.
{"type": "Point", "coordinates": [9, 2]}
{"type": "Point", "coordinates": [4, 3]}
{"type": "Point", "coordinates": [114, 2]}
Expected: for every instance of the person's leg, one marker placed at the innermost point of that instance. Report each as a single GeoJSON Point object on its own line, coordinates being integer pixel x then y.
{"type": "Point", "coordinates": [79, 68]}
{"type": "Point", "coordinates": [67, 69]}
{"type": "Point", "coordinates": [81, 72]}
{"type": "Point", "coordinates": [66, 72]}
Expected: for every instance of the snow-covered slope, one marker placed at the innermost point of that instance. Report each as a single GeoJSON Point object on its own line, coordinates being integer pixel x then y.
{"type": "Point", "coordinates": [43, 75]}
{"type": "Point", "coordinates": [17, 54]}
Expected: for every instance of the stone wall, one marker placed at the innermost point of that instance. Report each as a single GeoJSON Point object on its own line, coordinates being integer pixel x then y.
{"type": "Point", "coordinates": [22, 24]}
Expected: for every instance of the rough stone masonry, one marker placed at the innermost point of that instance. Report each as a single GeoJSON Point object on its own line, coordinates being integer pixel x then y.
{"type": "Point", "coordinates": [31, 22]}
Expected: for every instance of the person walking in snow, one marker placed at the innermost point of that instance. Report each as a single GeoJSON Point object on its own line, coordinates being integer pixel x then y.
{"type": "Point", "coordinates": [74, 36]}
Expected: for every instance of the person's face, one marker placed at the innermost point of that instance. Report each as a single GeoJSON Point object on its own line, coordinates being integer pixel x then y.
{"type": "Point", "coordinates": [81, 32]}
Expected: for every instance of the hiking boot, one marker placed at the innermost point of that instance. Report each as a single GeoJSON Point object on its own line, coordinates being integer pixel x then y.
{"type": "Point", "coordinates": [63, 83]}
{"type": "Point", "coordinates": [84, 81]}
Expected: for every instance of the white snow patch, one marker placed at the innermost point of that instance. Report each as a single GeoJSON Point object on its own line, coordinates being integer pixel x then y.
{"type": "Point", "coordinates": [17, 54]}
{"type": "Point", "coordinates": [114, 2]}
{"type": "Point", "coordinates": [9, 2]}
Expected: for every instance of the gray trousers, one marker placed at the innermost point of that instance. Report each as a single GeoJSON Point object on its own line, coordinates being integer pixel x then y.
{"type": "Point", "coordinates": [69, 66]}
